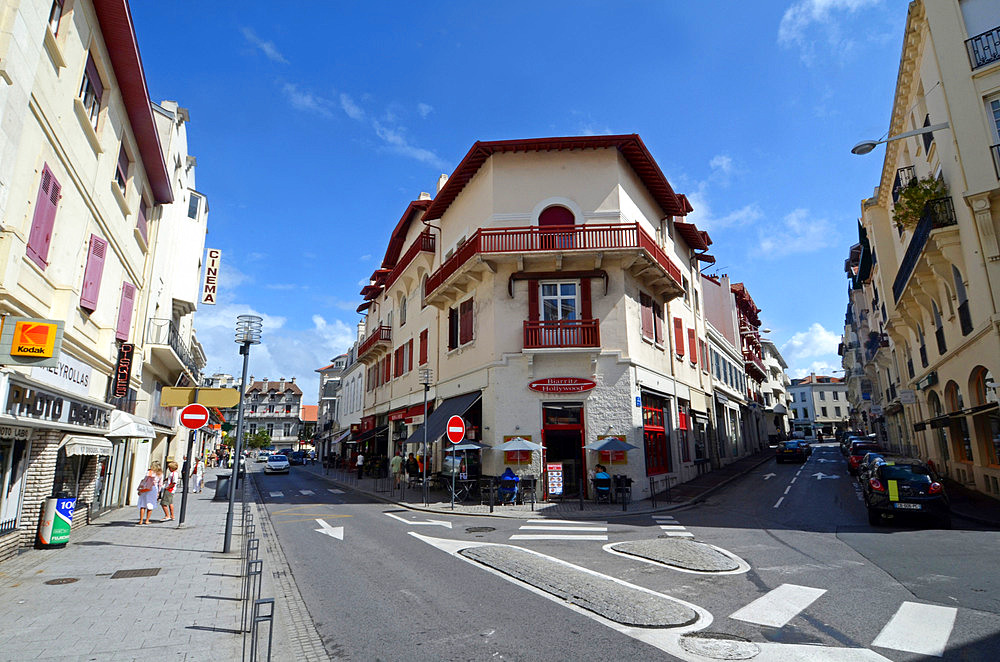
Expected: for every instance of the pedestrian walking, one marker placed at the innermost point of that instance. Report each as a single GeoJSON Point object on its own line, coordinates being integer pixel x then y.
{"type": "Point", "coordinates": [197, 475]}
{"type": "Point", "coordinates": [361, 465]}
{"type": "Point", "coordinates": [412, 468]}
{"type": "Point", "coordinates": [396, 467]}
{"type": "Point", "coordinates": [149, 491]}
{"type": "Point", "coordinates": [167, 496]}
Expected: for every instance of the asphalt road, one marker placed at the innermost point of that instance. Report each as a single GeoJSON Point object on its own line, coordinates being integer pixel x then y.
{"type": "Point", "coordinates": [822, 583]}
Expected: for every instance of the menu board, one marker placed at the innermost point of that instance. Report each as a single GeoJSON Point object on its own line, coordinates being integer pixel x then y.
{"type": "Point", "coordinates": [554, 474]}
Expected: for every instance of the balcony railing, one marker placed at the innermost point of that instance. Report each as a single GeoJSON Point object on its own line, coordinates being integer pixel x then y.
{"type": "Point", "coordinates": [984, 48]}
{"type": "Point", "coordinates": [561, 333]}
{"type": "Point", "coordinates": [535, 239]}
{"type": "Point", "coordinates": [903, 177]}
{"type": "Point", "coordinates": [423, 243]}
{"type": "Point", "coordinates": [752, 362]}
{"type": "Point", "coordinates": [382, 334]}
{"type": "Point", "coordinates": [164, 332]}
{"type": "Point", "coordinates": [938, 213]}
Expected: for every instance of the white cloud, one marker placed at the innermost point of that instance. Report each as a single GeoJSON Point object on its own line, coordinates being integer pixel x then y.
{"type": "Point", "coordinates": [281, 286]}
{"type": "Point", "coordinates": [721, 163]}
{"type": "Point", "coordinates": [814, 342]}
{"type": "Point", "coordinates": [365, 257]}
{"type": "Point", "coordinates": [307, 101]}
{"type": "Point", "coordinates": [797, 233]}
{"type": "Point", "coordinates": [424, 109]}
{"type": "Point", "coordinates": [266, 47]}
{"type": "Point", "coordinates": [824, 368]}
{"type": "Point", "coordinates": [352, 109]}
{"type": "Point", "coordinates": [397, 142]}
{"type": "Point", "coordinates": [797, 24]}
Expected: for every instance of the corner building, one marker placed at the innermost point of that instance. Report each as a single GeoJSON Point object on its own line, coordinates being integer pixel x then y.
{"type": "Point", "coordinates": [551, 288]}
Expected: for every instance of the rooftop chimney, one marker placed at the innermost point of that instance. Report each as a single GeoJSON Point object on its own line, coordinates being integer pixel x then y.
{"type": "Point", "coordinates": [442, 180]}
{"type": "Point", "coordinates": [424, 195]}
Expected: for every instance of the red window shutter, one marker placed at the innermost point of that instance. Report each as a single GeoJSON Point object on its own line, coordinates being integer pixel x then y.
{"type": "Point", "coordinates": [465, 322]}
{"type": "Point", "coordinates": [409, 355]}
{"type": "Point", "coordinates": [92, 273]}
{"type": "Point", "coordinates": [141, 222]}
{"type": "Point", "coordinates": [386, 369]}
{"type": "Point", "coordinates": [533, 300]}
{"type": "Point", "coordinates": [679, 336]}
{"type": "Point", "coordinates": [658, 323]}
{"type": "Point", "coordinates": [585, 302]}
{"type": "Point", "coordinates": [125, 312]}
{"type": "Point", "coordinates": [423, 347]}
{"type": "Point", "coordinates": [43, 219]}
{"type": "Point", "coordinates": [692, 346]}
{"type": "Point", "coordinates": [647, 315]}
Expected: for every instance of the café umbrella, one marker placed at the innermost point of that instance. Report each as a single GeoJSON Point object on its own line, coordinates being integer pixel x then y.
{"type": "Point", "coordinates": [518, 444]}
{"type": "Point", "coordinates": [610, 444]}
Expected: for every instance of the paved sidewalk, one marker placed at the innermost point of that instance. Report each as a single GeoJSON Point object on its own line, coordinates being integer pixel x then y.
{"type": "Point", "coordinates": [189, 610]}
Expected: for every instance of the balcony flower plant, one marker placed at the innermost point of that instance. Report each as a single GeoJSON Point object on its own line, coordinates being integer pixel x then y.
{"type": "Point", "coordinates": [914, 197]}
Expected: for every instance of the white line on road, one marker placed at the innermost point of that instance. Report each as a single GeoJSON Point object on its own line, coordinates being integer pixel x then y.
{"type": "Point", "coordinates": [788, 488]}
{"type": "Point", "coordinates": [330, 489]}
{"type": "Point", "coordinates": [918, 628]}
{"type": "Point", "coordinates": [794, 479]}
{"type": "Point", "coordinates": [306, 492]}
{"type": "Point", "coordinates": [431, 522]}
{"type": "Point", "coordinates": [680, 534]}
{"type": "Point", "coordinates": [546, 536]}
{"type": "Point", "coordinates": [672, 527]}
{"type": "Point", "coordinates": [560, 521]}
{"type": "Point", "coordinates": [778, 606]}
{"type": "Point", "coordinates": [779, 502]}
{"type": "Point", "coordinates": [563, 528]}
{"type": "Point", "coordinates": [277, 494]}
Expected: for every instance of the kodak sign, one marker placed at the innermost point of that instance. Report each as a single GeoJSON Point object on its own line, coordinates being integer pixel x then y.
{"type": "Point", "coordinates": [36, 339]}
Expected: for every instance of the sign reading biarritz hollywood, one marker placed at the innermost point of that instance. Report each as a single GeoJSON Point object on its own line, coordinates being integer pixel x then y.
{"type": "Point", "coordinates": [562, 385]}
{"type": "Point", "coordinates": [30, 402]}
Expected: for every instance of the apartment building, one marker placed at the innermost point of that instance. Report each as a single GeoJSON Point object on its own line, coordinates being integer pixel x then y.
{"type": "Point", "coordinates": [927, 275]}
{"type": "Point", "coordinates": [328, 431]}
{"type": "Point", "coordinates": [819, 406]}
{"type": "Point", "coordinates": [550, 290]}
{"type": "Point", "coordinates": [274, 407]}
{"type": "Point", "coordinates": [774, 390]}
{"type": "Point", "coordinates": [84, 189]}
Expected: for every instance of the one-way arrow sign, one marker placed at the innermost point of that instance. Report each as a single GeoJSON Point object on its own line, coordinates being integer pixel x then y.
{"type": "Point", "coordinates": [332, 531]}
{"type": "Point", "coordinates": [820, 475]}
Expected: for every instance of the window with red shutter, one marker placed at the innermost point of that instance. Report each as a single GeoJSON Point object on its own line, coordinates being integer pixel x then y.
{"type": "Point", "coordinates": [657, 322]}
{"type": "Point", "coordinates": [125, 311]}
{"type": "Point", "coordinates": [423, 347]}
{"type": "Point", "coordinates": [692, 347]}
{"type": "Point", "coordinates": [386, 368]}
{"type": "Point", "coordinates": [121, 172]}
{"type": "Point", "coordinates": [44, 218]}
{"type": "Point", "coordinates": [409, 355]}
{"type": "Point", "coordinates": [465, 322]}
{"type": "Point", "coordinates": [92, 273]}
{"type": "Point", "coordinates": [141, 222]}
{"type": "Point", "coordinates": [646, 302]}
{"type": "Point", "coordinates": [679, 336]}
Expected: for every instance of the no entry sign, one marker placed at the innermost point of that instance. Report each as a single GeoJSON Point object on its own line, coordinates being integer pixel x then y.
{"type": "Point", "coordinates": [194, 416]}
{"type": "Point", "coordinates": [456, 429]}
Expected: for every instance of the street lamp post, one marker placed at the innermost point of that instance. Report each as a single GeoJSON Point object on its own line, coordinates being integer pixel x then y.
{"type": "Point", "coordinates": [247, 333]}
{"type": "Point", "coordinates": [866, 146]}
{"type": "Point", "coordinates": [426, 375]}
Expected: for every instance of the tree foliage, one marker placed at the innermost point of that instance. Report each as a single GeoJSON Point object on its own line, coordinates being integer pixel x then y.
{"type": "Point", "coordinates": [914, 197]}
{"type": "Point", "coordinates": [259, 439]}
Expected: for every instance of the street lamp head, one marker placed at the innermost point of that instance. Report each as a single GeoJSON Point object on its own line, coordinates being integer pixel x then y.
{"type": "Point", "coordinates": [864, 147]}
{"type": "Point", "coordinates": [426, 376]}
{"type": "Point", "coordinates": [248, 329]}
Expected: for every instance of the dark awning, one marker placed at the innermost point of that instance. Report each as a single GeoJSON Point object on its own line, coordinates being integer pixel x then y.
{"type": "Point", "coordinates": [437, 420]}
{"type": "Point", "coordinates": [371, 434]}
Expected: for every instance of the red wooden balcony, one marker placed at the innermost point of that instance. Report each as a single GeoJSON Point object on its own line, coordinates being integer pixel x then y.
{"type": "Point", "coordinates": [562, 333]}
{"type": "Point", "coordinates": [559, 239]}
{"type": "Point", "coordinates": [379, 339]}
{"type": "Point", "coordinates": [755, 367]}
{"type": "Point", "coordinates": [424, 243]}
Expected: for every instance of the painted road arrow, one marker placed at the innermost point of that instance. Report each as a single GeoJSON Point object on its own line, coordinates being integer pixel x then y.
{"type": "Point", "coordinates": [430, 522]}
{"type": "Point", "coordinates": [820, 475]}
{"type": "Point", "coordinates": [769, 476]}
{"type": "Point", "coordinates": [332, 531]}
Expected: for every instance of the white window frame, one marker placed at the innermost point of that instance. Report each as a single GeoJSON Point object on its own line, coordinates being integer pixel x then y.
{"type": "Point", "coordinates": [559, 298]}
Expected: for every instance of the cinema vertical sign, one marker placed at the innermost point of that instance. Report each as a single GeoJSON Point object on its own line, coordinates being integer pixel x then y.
{"type": "Point", "coordinates": [30, 342]}
{"type": "Point", "coordinates": [210, 283]}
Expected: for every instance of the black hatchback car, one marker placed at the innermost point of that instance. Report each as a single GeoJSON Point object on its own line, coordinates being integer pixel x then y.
{"type": "Point", "coordinates": [903, 487]}
{"type": "Point", "coordinates": [791, 451]}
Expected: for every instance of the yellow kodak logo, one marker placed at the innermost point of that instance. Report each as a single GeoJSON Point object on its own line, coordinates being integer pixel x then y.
{"type": "Point", "coordinates": [33, 339]}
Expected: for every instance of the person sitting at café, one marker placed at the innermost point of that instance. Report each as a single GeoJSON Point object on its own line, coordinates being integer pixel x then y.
{"type": "Point", "coordinates": [507, 491]}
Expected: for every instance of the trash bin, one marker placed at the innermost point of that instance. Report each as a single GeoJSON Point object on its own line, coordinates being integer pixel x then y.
{"type": "Point", "coordinates": [57, 520]}
{"type": "Point", "coordinates": [222, 487]}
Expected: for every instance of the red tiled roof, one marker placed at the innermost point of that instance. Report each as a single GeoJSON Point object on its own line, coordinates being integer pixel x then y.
{"type": "Point", "coordinates": [309, 412]}
{"type": "Point", "coordinates": [695, 238]}
{"type": "Point", "coordinates": [264, 387]}
{"type": "Point", "coordinates": [326, 367]}
{"type": "Point", "coordinates": [119, 37]}
{"type": "Point", "coordinates": [398, 236]}
{"type": "Point", "coordinates": [630, 145]}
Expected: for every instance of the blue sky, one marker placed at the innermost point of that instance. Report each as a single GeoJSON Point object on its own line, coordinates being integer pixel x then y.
{"type": "Point", "coordinates": [316, 124]}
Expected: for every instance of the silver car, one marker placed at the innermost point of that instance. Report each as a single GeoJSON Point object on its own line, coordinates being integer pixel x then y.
{"type": "Point", "coordinates": [276, 464]}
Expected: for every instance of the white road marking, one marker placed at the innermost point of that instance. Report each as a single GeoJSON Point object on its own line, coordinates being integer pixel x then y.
{"type": "Point", "coordinates": [332, 531]}
{"type": "Point", "coordinates": [306, 492]}
{"type": "Point", "coordinates": [779, 502]}
{"type": "Point", "coordinates": [918, 628]}
{"type": "Point", "coordinates": [788, 488]}
{"type": "Point", "coordinates": [560, 521]}
{"type": "Point", "coordinates": [779, 605]}
{"type": "Point", "coordinates": [794, 479]}
{"type": "Point", "coordinates": [553, 536]}
{"type": "Point", "coordinates": [335, 491]}
{"type": "Point", "coordinates": [563, 528]}
{"type": "Point", "coordinates": [680, 534]}
{"type": "Point", "coordinates": [672, 527]}
{"type": "Point", "coordinates": [277, 494]}
{"type": "Point", "coordinates": [430, 522]}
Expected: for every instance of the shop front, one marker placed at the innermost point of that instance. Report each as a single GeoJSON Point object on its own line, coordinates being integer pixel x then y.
{"type": "Point", "coordinates": [562, 437]}
{"type": "Point", "coordinates": [14, 449]}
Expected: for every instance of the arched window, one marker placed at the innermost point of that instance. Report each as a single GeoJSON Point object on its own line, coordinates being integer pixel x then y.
{"type": "Point", "coordinates": [556, 215]}
{"type": "Point", "coordinates": [953, 398]}
{"type": "Point", "coordinates": [986, 420]}
{"type": "Point", "coordinates": [938, 328]}
{"type": "Point", "coordinates": [556, 226]}
{"type": "Point", "coordinates": [964, 316]}
{"type": "Point", "coordinates": [959, 425]}
{"type": "Point", "coordinates": [934, 403]}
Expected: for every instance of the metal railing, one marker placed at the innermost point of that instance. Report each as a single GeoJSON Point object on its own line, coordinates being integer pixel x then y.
{"type": "Point", "coordinates": [903, 177]}
{"type": "Point", "coordinates": [938, 213]}
{"type": "Point", "coordinates": [424, 243]}
{"type": "Point", "coordinates": [161, 331]}
{"type": "Point", "coordinates": [984, 48]}
{"type": "Point", "coordinates": [252, 573]}
{"type": "Point", "coordinates": [382, 334]}
{"type": "Point", "coordinates": [562, 333]}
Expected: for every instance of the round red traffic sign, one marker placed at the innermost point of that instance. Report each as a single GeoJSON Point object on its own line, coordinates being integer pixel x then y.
{"type": "Point", "coordinates": [456, 429]}
{"type": "Point", "coordinates": [194, 416]}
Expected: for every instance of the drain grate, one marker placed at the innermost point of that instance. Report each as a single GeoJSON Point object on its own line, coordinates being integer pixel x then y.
{"type": "Point", "coordinates": [62, 580]}
{"type": "Point", "coordinates": [480, 529]}
{"type": "Point", "coordinates": [139, 572]}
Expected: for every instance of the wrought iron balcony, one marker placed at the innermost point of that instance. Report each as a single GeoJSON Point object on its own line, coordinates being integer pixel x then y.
{"type": "Point", "coordinates": [379, 338]}
{"type": "Point", "coordinates": [561, 333]}
{"type": "Point", "coordinates": [161, 331]}
{"type": "Point", "coordinates": [424, 243]}
{"type": "Point", "coordinates": [903, 177]}
{"type": "Point", "coordinates": [938, 213]}
{"type": "Point", "coordinates": [984, 48]}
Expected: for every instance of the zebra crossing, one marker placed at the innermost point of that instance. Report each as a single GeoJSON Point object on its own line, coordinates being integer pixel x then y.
{"type": "Point", "coordinates": [279, 494]}
{"type": "Point", "coordinates": [671, 528]}
{"type": "Point", "coordinates": [914, 628]}
{"type": "Point", "coordinates": [562, 529]}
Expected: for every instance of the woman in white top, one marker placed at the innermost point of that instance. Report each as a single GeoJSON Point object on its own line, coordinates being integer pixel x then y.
{"type": "Point", "coordinates": [149, 493]}
{"type": "Point", "coordinates": [197, 475]}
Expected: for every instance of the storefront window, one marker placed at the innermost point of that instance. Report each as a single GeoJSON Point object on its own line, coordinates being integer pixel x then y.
{"type": "Point", "coordinates": [69, 470]}
{"type": "Point", "coordinates": [684, 429]}
{"type": "Point", "coordinates": [656, 436]}
{"type": "Point", "coordinates": [700, 437]}
{"type": "Point", "coordinates": [563, 415]}
{"type": "Point", "coordinates": [13, 461]}
{"type": "Point", "coordinates": [994, 444]}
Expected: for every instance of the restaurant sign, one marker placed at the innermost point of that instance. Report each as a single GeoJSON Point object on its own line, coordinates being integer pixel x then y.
{"type": "Point", "coordinates": [562, 385]}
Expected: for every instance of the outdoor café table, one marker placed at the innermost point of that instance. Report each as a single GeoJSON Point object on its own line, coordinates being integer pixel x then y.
{"type": "Point", "coordinates": [463, 487]}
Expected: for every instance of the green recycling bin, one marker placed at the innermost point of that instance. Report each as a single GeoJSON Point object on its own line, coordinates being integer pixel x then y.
{"type": "Point", "coordinates": [57, 520]}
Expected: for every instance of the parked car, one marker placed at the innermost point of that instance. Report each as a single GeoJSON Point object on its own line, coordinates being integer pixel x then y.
{"type": "Point", "coordinates": [262, 456]}
{"type": "Point", "coordinates": [904, 486]}
{"type": "Point", "coordinates": [297, 457]}
{"type": "Point", "coordinates": [868, 463]}
{"type": "Point", "coordinates": [857, 451]}
{"type": "Point", "coordinates": [791, 450]}
{"type": "Point", "coordinates": [276, 464]}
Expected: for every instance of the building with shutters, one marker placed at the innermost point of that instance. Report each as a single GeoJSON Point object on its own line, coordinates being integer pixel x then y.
{"type": "Point", "coordinates": [550, 290]}
{"type": "Point", "coordinates": [819, 406]}
{"type": "Point", "coordinates": [274, 407]}
{"type": "Point", "coordinates": [774, 389]}
{"type": "Point", "coordinates": [84, 185]}
{"type": "Point", "coordinates": [921, 340]}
